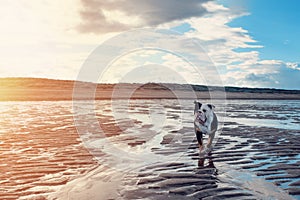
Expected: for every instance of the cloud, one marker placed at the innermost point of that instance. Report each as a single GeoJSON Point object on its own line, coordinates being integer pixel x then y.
{"type": "Point", "coordinates": [38, 39]}
{"type": "Point", "coordinates": [235, 53]}
{"type": "Point", "coordinates": [288, 78]}
{"type": "Point", "coordinates": [293, 65]}
{"type": "Point", "coordinates": [272, 74]}
{"type": "Point", "coordinates": [259, 78]}
{"type": "Point", "coordinates": [43, 36]}
{"type": "Point", "coordinates": [232, 49]}
{"type": "Point", "coordinates": [285, 78]}
{"type": "Point", "coordinates": [102, 16]}
{"type": "Point", "coordinates": [221, 40]}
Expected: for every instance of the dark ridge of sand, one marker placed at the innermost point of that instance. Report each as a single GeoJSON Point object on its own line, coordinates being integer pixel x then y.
{"type": "Point", "coordinates": [35, 89]}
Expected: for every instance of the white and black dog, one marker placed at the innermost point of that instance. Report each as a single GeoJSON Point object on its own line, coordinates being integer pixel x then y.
{"type": "Point", "coordinates": [205, 122]}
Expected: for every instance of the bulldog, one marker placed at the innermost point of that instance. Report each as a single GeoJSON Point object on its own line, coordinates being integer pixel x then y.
{"type": "Point", "coordinates": [205, 122]}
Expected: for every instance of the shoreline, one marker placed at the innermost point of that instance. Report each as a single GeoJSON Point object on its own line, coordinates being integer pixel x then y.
{"type": "Point", "coordinates": [67, 95]}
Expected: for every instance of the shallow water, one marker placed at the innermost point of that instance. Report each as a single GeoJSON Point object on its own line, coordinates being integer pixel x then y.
{"type": "Point", "coordinates": [42, 149]}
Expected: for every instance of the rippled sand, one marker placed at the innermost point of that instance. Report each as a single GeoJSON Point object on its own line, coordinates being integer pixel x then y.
{"type": "Point", "coordinates": [147, 150]}
{"type": "Point", "coordinates": [40, 148]}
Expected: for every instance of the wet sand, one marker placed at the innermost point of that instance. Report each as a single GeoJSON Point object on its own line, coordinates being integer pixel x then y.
{"type": "Point", "coordinates": [149, 151]}
{"type": "Point", "coordinates": [40, 149]}
{"type": "Point", "coordinates": [248, 162]}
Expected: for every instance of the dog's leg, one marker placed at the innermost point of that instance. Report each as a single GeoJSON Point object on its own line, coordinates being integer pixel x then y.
{"type": "Point", "coordinates": [201, 146]}
{"type": "Point", "coordinates": [200, 140]}
{"type": "Point", "coordinates": [201, 162]}
{"type": "Point", "coordinates": [210, 139]}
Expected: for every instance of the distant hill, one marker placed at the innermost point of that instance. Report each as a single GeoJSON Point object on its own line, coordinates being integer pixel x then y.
{"type": "Point", "coordinates": [203, 88]}
{"type": "Point", "coordinates": [48, 89]}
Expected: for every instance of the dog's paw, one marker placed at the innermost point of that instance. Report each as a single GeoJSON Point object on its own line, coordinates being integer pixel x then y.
{"type": "Point", "coordinates": [208, 149]}
{"type": "Point", "coordinates": [205, 152]}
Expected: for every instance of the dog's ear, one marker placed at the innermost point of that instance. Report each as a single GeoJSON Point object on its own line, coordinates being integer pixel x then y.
{"type": "Point", "coordinates": [211, 106]}
{"type": "Point", "coordinates": [197, 106]}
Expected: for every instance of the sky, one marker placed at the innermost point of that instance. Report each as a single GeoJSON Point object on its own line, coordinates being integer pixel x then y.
{"type": "Point", "coordinates": [245, 43]}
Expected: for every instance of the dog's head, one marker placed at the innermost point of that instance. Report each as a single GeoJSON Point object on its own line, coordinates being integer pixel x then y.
{"type": "Point", "coordinates": [204, 109]}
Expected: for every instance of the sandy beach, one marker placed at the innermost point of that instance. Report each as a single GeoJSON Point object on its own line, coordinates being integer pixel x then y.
{"type": "Point", "coordinates": [55, 147]}
{"type": "Point", "coordinates": [149, 151]}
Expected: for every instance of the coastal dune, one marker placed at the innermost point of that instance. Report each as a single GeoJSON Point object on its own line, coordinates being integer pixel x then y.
{"type": "Point", "coordinates": [31, 89]}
